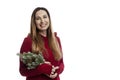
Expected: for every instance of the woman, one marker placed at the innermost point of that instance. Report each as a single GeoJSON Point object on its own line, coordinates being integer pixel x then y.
{"type": "Point", "coordinates": [42, 39]}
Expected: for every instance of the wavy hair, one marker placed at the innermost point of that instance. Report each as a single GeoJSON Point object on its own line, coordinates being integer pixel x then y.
{"type": "Point", "coordinates": [37, 42]}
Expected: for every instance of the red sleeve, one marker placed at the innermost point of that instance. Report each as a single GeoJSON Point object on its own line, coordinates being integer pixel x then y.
{"type": "Point", "coordinates": [61, 66]}
{"type": "Point", "coordinates": [44, 68]}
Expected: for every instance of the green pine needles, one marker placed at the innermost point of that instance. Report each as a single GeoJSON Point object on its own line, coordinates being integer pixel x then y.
{"type": "Point", "coordinates": [31, 60]}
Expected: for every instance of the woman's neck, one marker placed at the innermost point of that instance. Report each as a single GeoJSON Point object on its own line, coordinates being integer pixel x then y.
{"type": "Point", "coordinates": [43, 33]}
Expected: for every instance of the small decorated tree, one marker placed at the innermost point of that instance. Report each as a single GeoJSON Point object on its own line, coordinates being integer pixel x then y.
{"type": "Point", "coordinates": [31, 60]}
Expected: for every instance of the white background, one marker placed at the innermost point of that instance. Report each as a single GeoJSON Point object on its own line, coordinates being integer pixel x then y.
{"type": "Point", "coordinates": [89, 31]}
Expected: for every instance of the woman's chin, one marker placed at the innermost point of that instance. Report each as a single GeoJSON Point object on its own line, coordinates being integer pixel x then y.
{"type": "Point", "coordinates": [42, 29]}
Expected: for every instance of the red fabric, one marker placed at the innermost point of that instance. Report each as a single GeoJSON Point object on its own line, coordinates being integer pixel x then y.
{"type": "Point", "coordinates": [40, 72]}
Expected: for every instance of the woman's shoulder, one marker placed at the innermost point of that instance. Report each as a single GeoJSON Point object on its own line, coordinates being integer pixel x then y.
{"type": "Point", "coordinates": [28, 39]}
{"type": "Point", "coordinates": [26, 45]}
{"type": "Point", "coordinates": [55, 33]}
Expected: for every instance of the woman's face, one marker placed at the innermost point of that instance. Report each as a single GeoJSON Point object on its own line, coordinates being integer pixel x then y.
{"type": "Point", "coordinates": [42, 20]}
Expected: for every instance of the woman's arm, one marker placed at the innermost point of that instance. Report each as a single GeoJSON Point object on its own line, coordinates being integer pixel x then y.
{"type": "Point", "coordinates": [61, 66]}
{"type": "Point", "coordinates": [43, 68]}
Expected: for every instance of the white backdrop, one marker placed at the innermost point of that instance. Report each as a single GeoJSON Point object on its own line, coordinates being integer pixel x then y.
{"type": "Point", "coordinates": [89, 31]}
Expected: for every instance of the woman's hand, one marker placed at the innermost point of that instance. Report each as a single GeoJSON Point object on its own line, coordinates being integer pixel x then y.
{"type": "Point", "coordinates": [54, 69]}
{"type": "Point", "coordinates": [53, 75]}
{"type": "Point", "coordinates": [53, 72]}
{"type": "Point", "coordinates": [47, 62]}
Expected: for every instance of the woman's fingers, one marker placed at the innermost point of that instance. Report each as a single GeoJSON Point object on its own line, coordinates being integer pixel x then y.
{"type": "Point", "coordinates": [46, 62]}
{"type": "Point", "coordinates": [56, 67]}
{"type": "Point", "coordinates": [53, 75]}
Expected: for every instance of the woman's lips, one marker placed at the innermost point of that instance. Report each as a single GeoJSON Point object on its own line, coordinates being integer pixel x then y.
{"type": "Point", "coordinates": [43, 25]}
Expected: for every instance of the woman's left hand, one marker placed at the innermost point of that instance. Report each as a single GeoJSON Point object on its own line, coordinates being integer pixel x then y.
{"type": "Point", "coordinates": [54, 69]}
{"type": "Point", "coordinates": [53, 72]}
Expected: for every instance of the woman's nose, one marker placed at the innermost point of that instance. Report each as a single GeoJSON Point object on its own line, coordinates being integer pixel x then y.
{"type": "Point", "coordinates": [42, 20]}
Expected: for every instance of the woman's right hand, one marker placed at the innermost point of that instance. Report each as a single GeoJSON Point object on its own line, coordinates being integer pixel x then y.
{"type": "Point", "coordinates": [47, 62]}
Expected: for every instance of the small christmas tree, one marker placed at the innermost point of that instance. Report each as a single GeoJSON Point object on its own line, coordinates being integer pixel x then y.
{"type": "Point", "coordinates": [31, 60]}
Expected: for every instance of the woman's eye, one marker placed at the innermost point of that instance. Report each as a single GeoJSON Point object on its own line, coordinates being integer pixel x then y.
{"type": "Point", "coordinates": [44, 16]}
{"type": "Point", "coordinates": [37, 18]}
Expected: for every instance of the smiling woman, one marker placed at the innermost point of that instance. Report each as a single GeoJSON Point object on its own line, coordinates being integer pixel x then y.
{"type": "Point", "coordinates": [42, 40]}
{"type": "Point", "coordinates": [42, 20]}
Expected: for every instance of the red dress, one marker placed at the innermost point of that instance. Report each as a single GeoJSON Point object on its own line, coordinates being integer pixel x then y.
{"type": "Point", "coordinates": [39, 72]}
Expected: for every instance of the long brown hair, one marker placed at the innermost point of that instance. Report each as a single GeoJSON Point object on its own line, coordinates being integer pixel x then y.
{"type": "Point", "coordinates": [37, 42]}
